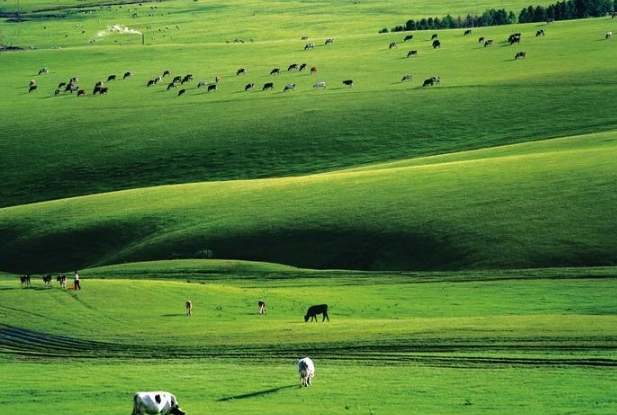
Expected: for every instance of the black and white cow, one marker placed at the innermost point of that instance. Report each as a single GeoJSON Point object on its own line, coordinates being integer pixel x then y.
{"type": "Point", "coordinates": [249, 86]}
{"type": "Point", "coordinates": [25, 281]}
{"type": "Point", "coordinates": [268, 85]}
{"type": "Point", "coordinates": [61, 280]}
{"type": "Point", "coordinates": [289, 87]}
{"type": "Point", "coordinates": [306, 370]}
{"type": "Point", "coordinates": [47, 280]}
{"type": "Point", "coordinates": [163, 403]}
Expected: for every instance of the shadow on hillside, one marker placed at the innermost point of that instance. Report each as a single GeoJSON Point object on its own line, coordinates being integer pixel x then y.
{"type": "Point", "coordinates": [173, 315]}
{"type": "Point", "coordinates": [258, 393]}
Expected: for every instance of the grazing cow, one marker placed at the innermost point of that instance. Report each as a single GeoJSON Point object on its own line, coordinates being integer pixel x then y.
{"type": "Point", "coordinates": [177, 79]}
{"type": "Point", "coordinates": [609, 35]}
{"type": "Point", "coordinates": [406, 78]}
{"type": "Point", "coordinates": [32, 82]}
{"type": "Point", "coordinates": [111, 78]}
{"type": "Point", "coordinates": [158, 80]}
{"type": "Point", "coordinates": [289, 87]}
{"type": "Point", "coordinates": [187, 78]}
{"type": "Point", "coordinates": [521, 55]}
{"type": "Point", "coordinates": [189, 308]}
{"type": "Point", "coordinates": [392, 45]}
{"type": "Point", "coordinates": [97, 88]}
{"type": "Point", "coordinates": [488, 43]}
{"type": "Point", "coordinates": [57, 92]}
{"type": "Point", "coordinates": [81, 92]}
{"type": "Point", "coordinates": [540, 32]}
{"type": "Point", "coordinates": [32, 88]}
{"type": "Point", "coordinates": [69, 87]}
{"type": "Point", "coordinates": [412, 53]}
{"type": "Point", "coordinates": [99, 84]}
{"type": "Point", "coordinates": [159, 403]}
{"type": "Point", "coordinates": [241, 71]}
{"type": "Point", "coordinates": [25, 281]}
{"type": "Point", "coordinates": [181, 92]}
{"type": "Point", "coordinates": [150, 82]}
{"type": "Point", "coordinates": [317, 309]}
{"type": "Point", "coordinates": [306, 370]}
{"type": "Point", "coordinates": [212, 88]}
{"type": "Point", "coordinates": [201, 83]}
{"type": "Point", "coordinates": [174, 85]}
{"type": "Point", "coordinates": [43, 70]}
{"type": "Point", "coordinates": [166, 73]}
{"type": "Point", "coordinates": [408, 37]}
{"type": "Point", "coordinates": [104, 90]}
{"type": "Point", "coordinates": [249, 86]}
{"type": "Point", "coordinates": [305, 37]}
{"type": "Point", "coordinates": [74, 80]}
{"type": "Point", "coordinates": [431, 81]}
{"type": "Point", "coordinates": [47, 280]}
{"type": "Point", "coordinates": [321, 84]}
{"type": "Point", "coordinates": [481, 39]}
{"type": "Point", "coordinates": [293, 66]}
{"type": "Point", "coordinates": [348, 82]}
{"type": "Point", "coordinates": [436, 44]}
{"type": "Point", "coordinates": [268, 85]}
{"type": "Point", "coordinates": [302, 67]}
{"type": "Point", "coordinates": [61, 84]}
{"type": "Point", "coordinates": [61, 280]}
{"type": "Point", "coordinates": [275, 71]}
{"type": "Point", "coordinates": [262, 306]}
{"type": "Point", "coordinates": [127, 75]}
{"type": "Point", "coordinates": [467, 32]}
{"type": "Point", "coordinates": [514, 38]}
{"type": "Point", "coordinates": [330, 40]}
{"type": "Point", "coordinates": [217, 79]}
{"type": "Point", "coordinates": [434, 36]}
{"type": "Point", "coordinates": [309, 46]}
{"type": "Point", "coordinates": [313, 69]}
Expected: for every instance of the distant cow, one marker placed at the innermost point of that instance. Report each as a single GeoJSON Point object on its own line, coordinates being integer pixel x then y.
{"type": "Point", "coordinates": [177, 78]}
{"type": "Point", "coordinates": [43, 70]}
{"type": "Point", "coordinates": [319, 85]}
{"type": "Point", "coordinates": [111, 78]}
{"type": "Point", "coordinates": [181, 92]}
{"type": "Point", "coordinates": [241, 71]}
{"type": "Point", "coordinates": [61, 84]}
{"type": "Point", "coordinates": [412, 53]}
{"type": "Point", "coordinates": [550, 20]}
{"type": "Point", "coordinates": [201, 83]}
{"type": "Point", "coordinates": [408, 37]}
{"type": "Point", "coordinates": [289, 87]}
{"type": "Point", "coordinates": [348, 82]}
{"type": "Point", "coordinates": [436, 44]}
{"type": "Point", "coordinates": [293, 66]}
{"type": "Point", "coordinates": [329, 41]}
{"type": "Point", "coordinates": [514, 38]}
{"type": "Point", "coordinates": [173, 85]}
{"type": "Point", "coordinates": [488, 43]}
{"type": "Point", "coordinates": [302, 67]}
{"type": "Point", "coordinates": [104, 90]}
{"type": "Point", "coordinates": [540, 32]}
{"type": "Point", "coordinates": [275, 71]}
{"type": "Point", "coordinates": [313, 69]}
{"type": "Point", "coordinates": [305, 37]}
{"type": "Point", "coordinates": [163, 403]}
{"type": "Point", "coordinates": [166, 73]}
{"type": "Point", "coordinates": [609, 35]}
{"type": "Point", "coordinates": [406, 78]}
{"type": "Point", "coordinates": [150, 82]}
{"type": "Point", "coordinates": [249, 86]}
{"type": "Point", "coordinates": [431, 81]}
{"type": "Point", "coordinates": [467, 32]}
{"type": "Point", "coordinates": [97, 88]}
{"type": "Point", "coordinates": [32, 82]}
{"type": "Point", "coordinates": [158, 80]}
{"type": "Point", "coordinates": [306, 370]}
{"type": "Point", "coordinates": [99, 84]}
{"type": "Point", "coordinates": [309, 46]}
{"type": "Point", "coordinates": [392, 45]}
{"type": "Point", "coordinates": [32, 88]}
{"type": "Point", "coordinates": [61, 280]}
{"type": "Point", "coordinates": [312, 312]}
{"type": "Point", "coordinates": [127, 75]}
{"type": "Point", "coordinates": [262, 306]}
{"type": "Point", "coordinates": [57, 92]}
{"type": "Point", "coordinates": [189, 308]}
{"type": "Point", "coordinates": [25, 281]}
{"type": "Point", "coordinates": [47, 280]}
{"type": "Point", "coordinates": [187, 78]}
{"type": "Point", "coordinates": [434, 36]}
{"type": "Point", "coordinates": [481, 39]}
{"type": "Point", "coordinates": [268, 85]}
{"type": "Point", "coordinates": [81, 92]}
{"type": "Point", "coordinates": [521, 55]}
{"type": "Point", "coordinates": [212, 88]}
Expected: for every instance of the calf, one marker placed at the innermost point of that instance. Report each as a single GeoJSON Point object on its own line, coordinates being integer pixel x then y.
{"type": "Point", "coordinates": [47, 280]}
{"type": "Point", "coordinates": [127, 75]}
{"type": "Point", "coordinates": [57, 92]}
{"type": "Point", "coordinates": [43, 70]}
{"type": "Point", "coordinates": [313, 69]}
{"type": "Point", "coordinates": [317, 309]}
{"type": "Point", "coordinates": [249, 86]}
{"type": "Point", "coordinates": [609, 35]}
{"type": "Point", "coordinates": [81, 92]}
{"type": "Point", "coordinates": [268, 85]}
{"type": "Point", "coordinates": [412, 53]}
{"type": "Point", "coordinates": [103, 90]}
{"type": "Point", "coordinates": [212, 88]}
{"type": "Point", "coordinates": [488, 43]}
{"type": "Point", "coordinates": [150, 82]}
{"type": "Point", "coordinates": [348, 82]}
{"type": "Point", "coordinates": [306, 370]}
{"type": "Point", "coordinates": [330, 40]}
{"type": "Point", "coordinates": [163, 403]}
{"type": "Point", "coordinates": [25, 281]}
{"type": "Point", "coordinates": [61, 84]}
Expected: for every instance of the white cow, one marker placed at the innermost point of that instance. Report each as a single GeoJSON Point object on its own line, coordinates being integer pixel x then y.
{"type": "Point", "coordinates": [163, 403]}
{"type": "Point", "coordinates": [306, 369]}
{"type": "Point", "coordinates": [319, 85]}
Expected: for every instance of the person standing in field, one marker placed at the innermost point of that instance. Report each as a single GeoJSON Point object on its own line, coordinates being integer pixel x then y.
{"type": "Point", "coordinates": [76, 281]}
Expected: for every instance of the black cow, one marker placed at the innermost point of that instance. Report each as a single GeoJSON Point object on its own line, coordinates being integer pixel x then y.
{"type": "Point", "coordinates": [57, 92]}
{"type": "Point", "coordinates": [302, 67]}
{"type": "Point", "coordinates": [434, 36]}
{"type": "Point", "coordinates": [488, 43]}
{"type": "Point", "coordinates": [25, 281]}
{"type": "Point", "coordinates": [412, 53]}
{"type": "Point", "coordinates": [177, 79]}
{"type": "Point", "coordinates": [348, 82]}
{"type": "Point", "coordinates": [436, 44]}
{"type": "Point", "coordinates": [481, 39]}
{"type": "Point", "coordinates": [212, 88]}
{"type": "Point", "coordinates": [241, 71]}
{"type": "Point", "coordinates": [166, 73]}
{"type": "Point", "coordinates": [181, 92]}
{"type": "Point", "coordinates": [47, 280]}
{"type": "Point", "coordinates": [293, 66]}
{"type": "Point", "coordinates": [431, 81]}
{"type": "Point", "coordinates": [32, 88]}
{"type": "Point", "coordinates": [249, 86]}
{"type": "Point", "coordinates": [127, 75]}
{"type": "Point", "coordinates": [104, 90]}
{"type": "Point", "coordinates": [522, 55]}
{"type": "Point", "coordinates": [329, 41]}
{"type": "Point", "coordinates": [111, 78]}
{"type": "Point", "coordinates": [540, 32]}
{"type": "Point", "coordinates": [97, 88]}
{"type": "Point", "coordinates": [275, 71]}
{"type": "Point", "coordinates": [187, 78]}
{"type": "Point", "coordinates": [268, 85]}
{"type": "Point", "coordinates": [312, 312]}
{"type": "Point", "coordinates": [151, 82]}
{"type": "Point", "coordinates": [392, 45]}
{"type": "Point", "coordinates": [408, 37]}
{"type": "Point", "coordinates": [467, 32]}
{"type": "Point", "coordinates": [61, 84]}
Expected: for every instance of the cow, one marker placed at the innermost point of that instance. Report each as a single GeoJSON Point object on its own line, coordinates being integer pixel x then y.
{"type": "Point", "coordinates": [540, 32]}
{"type": "Point", "coordinates": [313, 70]}
{"type": "Point", "coordinates": [321, 84]}
{"type": "Point", "coordinates": [262, 306]}
{"type": "Point", "coordinates": [104, 90]}
{"type": "Point", "coordinates": [329, 40]}
{"type": "Point", "coordinates": [609, 35]}
{"type": "Point", "coordinates": [302, 67]}
{"type": "Point", "coordinates": [61, 84]}
{"type": "Point", "coordinates": [163, 403]}
{"type": "Point", "coordinates": [99, 84]}
{"type": "Point", "coordinates": [25, 281]}
{"type": "Point", "coordinates": [166, 73]}
{"type": "Point", "coordinates": [74, 80]}
{"type": "Point", "coordinates": [150, 82]}
{"type": "Point", "coordinates": [309, 46]}
{"type": "Point", "coordinates": [489, 42]}
{"type": "Point", "coordinates": [268, 85]}
{"type": "Point", "coordinates": [249, 86]}
{"type": "Point", "coordinates": [97, 88]}
{"type": "Point", "coordinates": [47, 280]}
{"type": "Point", "coordinates": [187, 78]}
{"type": "Point", "coordinates": [241, 71]}
{"type": "Point", "coordinates": [177, 79]}
{"type": "Point", "coordinates": [521, 55]}
{"type": "Point", "coordinates": [111, 78]}
{"type": "Point", "coordinates": [305, 38]}
{"type": "Point", "coordinates": [408, 37]}
{"type": "Point", "coordinates": [481, 39]}
{"type": "Point", "coordinates": [431, 81]}
{"type": "Point", "coordinates": [412, 53]}
{"type": "Point", "coordinates": [61, 280]}
{"type": "Point", "coordinates": [181, 92]}
{"type": "Point", "coordinates": [550, 20]}
{"type": "Point", "coordinates": [289, 87]}
{"type": "Point", "coordinates": [436, 44]}
{"type": "Point", "coordinates": [127, 75]}
{"type": "Point", "coordinates": [212, 88]}
{"type": "Point", "coordinates": [275, 71]}
{"type": "Point", "coordinates": [348, 82]}
{"type": "Point", "coordinates": [306, 370]}
{"type": "Point", "coordinates": [201, 83]}
{"type": "Point", "coordinates": [57, 92]}
{"type": "Point", "coordinates": [69, 87]}
{"type": "Point", "coordinates": [434, 36]}
{"type": "Point", "coordinates": [32, 82]}
{"type": "Point", "coordinates": [32, 88]}
{"type": "Point", "coordinates": [406, 77]}
{"type": "Point", "coordinates": [317, 309]}
{"type": "Point", "coordinates": [81, 92]}
{"type": "Point", "coordinates": [217, 79]}
{"type": "Point", "coordinates": [43, 70]}
{"type": "Point", "coordinates": [189, 308]}
{"type": "Point", "coordinates": [293, 66]}
{"type": "Point", "coordinates": [467, 32]}
{"type": "Point", "coordinates": [174, 85]}
{"type": "Point", "coordinates": [158, 80]}
{"type": "Point", "coordinates": [514, 38]}
{"type": "Point", "coordinates": [392, 45]}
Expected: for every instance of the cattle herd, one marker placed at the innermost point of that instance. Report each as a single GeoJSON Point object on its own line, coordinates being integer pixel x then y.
{"type": "Point", "coordinates": [26, 280]}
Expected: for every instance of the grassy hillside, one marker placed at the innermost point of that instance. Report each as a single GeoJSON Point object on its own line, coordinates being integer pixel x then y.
{"type": "Point", "coordinates": [486, 98]}
{"type": "Point", "coordinates": [528, 205]}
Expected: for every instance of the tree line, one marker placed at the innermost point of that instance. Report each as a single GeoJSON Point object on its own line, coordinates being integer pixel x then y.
{"type": "Point", "coordinates": [563, 10]}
